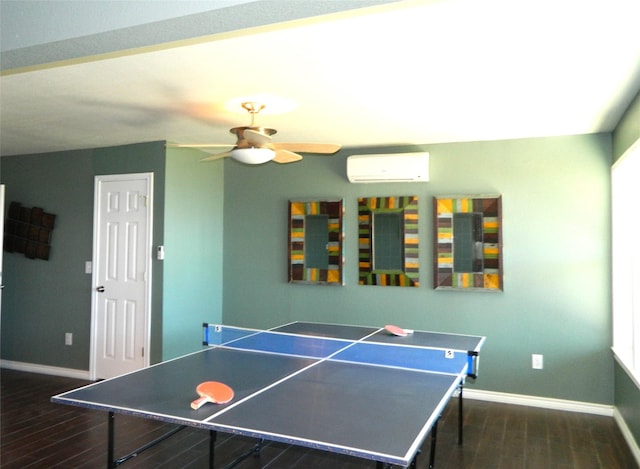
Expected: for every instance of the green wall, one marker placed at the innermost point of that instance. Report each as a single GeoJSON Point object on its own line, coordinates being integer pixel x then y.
{"type": "Point", "coordinates": [193, 250]}
{"type": "Point", "coordinates": [556, 234]}
{"type": "Point", "coordinates": [556, 258]}
{"type": "Point", "coordinates": [44, 299]}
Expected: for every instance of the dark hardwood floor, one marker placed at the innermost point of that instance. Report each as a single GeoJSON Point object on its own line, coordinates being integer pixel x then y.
{"type": "Point", "coordinates": [38, 434]}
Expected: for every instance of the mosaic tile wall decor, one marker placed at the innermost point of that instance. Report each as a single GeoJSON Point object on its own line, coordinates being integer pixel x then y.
{"type": "Point", "coordinates": [490, 278]}
{"type": "Point", "coordinates": [299, 270]}
{"type": "Point", "coordinates": [408, 276]}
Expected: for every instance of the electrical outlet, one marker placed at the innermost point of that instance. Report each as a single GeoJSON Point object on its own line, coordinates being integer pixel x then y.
{"type": "Point", "coordinates": [536, 361]}
{"type": "Point", "coordinates": [68, 338]}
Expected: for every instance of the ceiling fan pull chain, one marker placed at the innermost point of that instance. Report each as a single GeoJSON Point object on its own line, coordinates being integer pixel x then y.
{"type": "Point", "coordinates": [253, 109]}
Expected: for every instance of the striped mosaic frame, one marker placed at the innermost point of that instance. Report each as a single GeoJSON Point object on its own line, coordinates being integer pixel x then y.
{"type": "Point", "coordinates": [408, 206]}
{"type": "Point", "coordinates": [298, 271]}
{"type": "Point", "coordinates": [490, 279]}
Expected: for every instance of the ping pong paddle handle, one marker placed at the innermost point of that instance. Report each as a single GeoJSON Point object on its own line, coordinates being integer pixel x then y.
{"type": "Point", "coordinates": [212, 391]}
{"type": "Point", "coordinates": [199, 402]}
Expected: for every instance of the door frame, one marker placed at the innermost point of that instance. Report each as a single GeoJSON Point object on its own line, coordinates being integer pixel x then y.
{"type": "Point", "coordinates": [95, 297]}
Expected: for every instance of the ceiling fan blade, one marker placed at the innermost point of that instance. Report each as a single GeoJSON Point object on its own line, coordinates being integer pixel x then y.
{"type": "Point", "coordinates": [324, 148]}
{"type": "Point", "coordinates": [217, 156]}
{"type": "Point", "coordinates": [204, 147]}
{"type": "Point", "coordinates": [254, 137]}
{"type": "Point", "coordinates": [199, 145]}
{"type": "Point", "coordinates": [286, 156]}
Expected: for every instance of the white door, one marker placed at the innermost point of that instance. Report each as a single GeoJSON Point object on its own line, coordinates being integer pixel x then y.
{"type": "Point", "coordinates": [121, 312]}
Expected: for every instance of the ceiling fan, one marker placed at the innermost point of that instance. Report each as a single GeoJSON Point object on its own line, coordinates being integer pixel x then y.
{"type": "Point", "coordinates": [254, 146]}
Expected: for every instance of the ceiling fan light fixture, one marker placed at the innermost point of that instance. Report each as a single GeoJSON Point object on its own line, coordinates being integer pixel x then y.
{"type": "Point", "coordinates": [253, 155]}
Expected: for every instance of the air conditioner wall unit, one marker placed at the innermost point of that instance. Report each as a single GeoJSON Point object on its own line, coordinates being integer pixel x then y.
{"type": "Point", "coordinates": [398, 167]}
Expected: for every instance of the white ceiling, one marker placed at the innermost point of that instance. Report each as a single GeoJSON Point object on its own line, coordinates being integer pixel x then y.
{"type": "Point", "coordinates": [409, 72]}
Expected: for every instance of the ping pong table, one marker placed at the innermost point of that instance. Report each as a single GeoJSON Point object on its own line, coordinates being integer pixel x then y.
{"type": "Point", "coordinates": [352, 390]}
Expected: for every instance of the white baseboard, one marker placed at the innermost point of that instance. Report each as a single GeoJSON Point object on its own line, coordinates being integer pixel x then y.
{"type": "Point", "coordinates": [45, 369]}
{"type": "Point", "coordinates": [543, 402]}
{"type": "Point", "coordinates": [628, 436]}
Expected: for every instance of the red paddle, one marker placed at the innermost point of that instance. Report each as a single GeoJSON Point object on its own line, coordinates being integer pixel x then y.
{"type": "Point", "coordinates": [212, 391]}
{"type": "Point", "coordinates": [395, 330]}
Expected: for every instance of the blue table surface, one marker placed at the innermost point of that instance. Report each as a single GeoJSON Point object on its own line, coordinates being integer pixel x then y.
{"type": "Point", "coordinates": [314, 390]}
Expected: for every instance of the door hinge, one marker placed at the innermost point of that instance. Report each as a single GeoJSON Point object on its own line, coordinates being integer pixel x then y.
{"type": "Point", "coordinates": [143, 352]}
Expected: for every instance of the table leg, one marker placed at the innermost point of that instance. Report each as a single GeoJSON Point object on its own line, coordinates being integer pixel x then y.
{"type": "Point", "coordinates": [110, 444]}
{"type": "Point", "coordinates": [460, 418]}
{"type": "Point", "coordinates": [434, 435]}
{"type": "Point", "coordinates": [212, 447]}
{"type": "Point", "coordinates": [112, 462]}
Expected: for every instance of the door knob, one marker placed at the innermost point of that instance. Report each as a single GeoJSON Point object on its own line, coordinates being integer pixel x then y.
{"type": "Point", "coordinates": [100, 289]}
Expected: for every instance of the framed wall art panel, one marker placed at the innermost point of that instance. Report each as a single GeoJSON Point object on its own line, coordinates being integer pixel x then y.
{"type": "Point", "coordinates": [388, 241]}
{"type": "Point", "coordinates": [316, 239]}
{"type": "Point", "coordinates": [468, 243]}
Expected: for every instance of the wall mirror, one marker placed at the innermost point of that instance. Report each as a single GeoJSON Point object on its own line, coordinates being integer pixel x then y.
{"type": "Point", "coordinates": [388, 241]}
{"type": "Point", "coordinates": [468, 243]}
{"type": "Point", "coordinates": [316, 242]}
